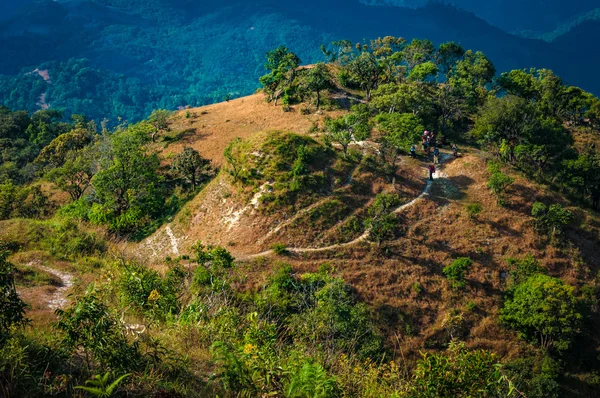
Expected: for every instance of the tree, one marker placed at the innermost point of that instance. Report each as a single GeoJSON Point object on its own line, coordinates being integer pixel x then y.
{"type": "Point", "coordinates": [55, 153]}
{"type": "Point", "coordinates": [128, 186]}
{"type": "Point", "coordinates": [423, 72]}
{"type": "Point", "coordinates": [365, 70]}
{"type": "Point", "coordinates": [471, 77]}
{"type": "Point", "coordinates": [400, 132]}
{"type": "Point", "coordinates": [281, 64]}
{"type": "Point", "coordinates": [583, 175]}
{"type": "Point", "coordinates": [381, 223]}
{"type": "Point", "coordinates": [191, 166]}
{"type": "Point", "coordinates": [551, 220]}
{"type": "Point", "coordinates": [316, 80]}
{"type": "Point", "coordinates": [448, 54]}
{"type": "Point", "coordinates": [448, 107]}
{"type": "Point", "coordinates": [12, 308]}
{"type": "Point", "coordinates": [76, 173]}
{"type": "Point", "coordinates": [418, 52]}
{"type": "Point", "coordinates": [159, 119]}
{"type": "Point", "coordinates": [544, 310]}
{"type": "Point", "coordinates": [351, 127]}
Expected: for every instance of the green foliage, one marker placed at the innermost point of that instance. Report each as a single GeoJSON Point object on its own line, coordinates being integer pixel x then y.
{"type": "Point", "coordinates": [193, 167]}
{"type": "Point", "coordinates": [316, 80]}
{"type": "Point", "coordinates": [551, 220]}
{"type": "Point", "coordinates": [68, 242]}
{"type": "Point", "coordinates": [145, 289]}
{"type": "Point", "coordinates": [499, 182]}
{"type": "Point", "coordinates": [159, 119]}
{"type": "Point", "coordinates": [281, 65]}
{"type": "Point", "coordinates": [75, 174]}
{"type": "Point", "coordinates": [524, 268]}
{"type": "Point", "coordinates": [311, 381]}
{"type": "Point", "coordinates": [23, 202]}
{"type": "Point", "coordinates": [543, 310]}
{"type": "Point", "coordinates": [400, 132]}
{"type": "Point", "coordinates": [354, 126]}
{"type": "Point", "coordinates": [473, 209]}
{"type": "Point", "coordinates": [382, 223]}
{"type": "Point", "coordinates": [100, 385]}
{"type": "Point", "coordinates": [89, 326]}
{"type": "Point", "coordinates": [460, 373]}
{"type": "Point", "coordinates": [12, 308]}
{"type": "Point", "coordinates": [455, 272]}
{"type": "Point", "coordinates": [128, 188]}
{"type": "Point", "coordinates": [279, 249]}
{"type": "Point", "coordinates": [365, 71]}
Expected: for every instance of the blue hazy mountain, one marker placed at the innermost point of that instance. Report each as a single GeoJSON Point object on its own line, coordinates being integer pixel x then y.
{"type": "Point", "coordinates": [127, 57]}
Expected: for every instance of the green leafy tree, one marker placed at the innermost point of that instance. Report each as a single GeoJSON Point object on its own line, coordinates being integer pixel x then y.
{"type": "Point", "coordinates": [12, 308]}
{"type": "Point", "coordinates": [55, 153]}
{"type": "Point", "coordinates": [75, 175]}
{"type": "Point", "coordinates": [365, 71]}
{"type": "Point", "coordinates": [543, 310]}
{"type": "Point", "coordinates": [316, 80]}
{"type": "Point", "coordinates": [400, 131]}
{"type": "Point", "coordinates": [552, 219]}
{"type": "Point", "coordinates": [191, 166]}
{"type": "Point", "coordinates": [472, 76]}
{"type": "Point", "coordinates": [423, 72]}
{"type": "Point", "coordinates": [382, 224]}
{"type": "Point", "coordinates": [582, 175]}
{"type": "Point", "coordinates": [128, 186]}
{"type": "Point", "coordinates": [498, 184]}
{"type": "Point", "coordinates": [418, 52]}
{"type": "Point", "coordinates": [344, 130]}
{"type": "Point", "coordinates": [447, 55]}
{"type": "Point", "coordinates": [281, 65]}
{"type": "Point", "coordinates": [159, 119]}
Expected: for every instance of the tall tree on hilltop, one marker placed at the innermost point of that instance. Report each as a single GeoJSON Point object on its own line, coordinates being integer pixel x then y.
{"type": "Point", "coordinates": [281, 64]}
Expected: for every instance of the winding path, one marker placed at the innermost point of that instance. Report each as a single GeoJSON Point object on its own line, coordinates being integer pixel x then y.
{"type": "Point", "coordinates": [428, 184]}
{"type": "Point", "coordinates": [58, 298]}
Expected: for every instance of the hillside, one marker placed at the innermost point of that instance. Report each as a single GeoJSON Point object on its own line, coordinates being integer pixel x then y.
{"type": "Point", "coordinates": [396, 222]}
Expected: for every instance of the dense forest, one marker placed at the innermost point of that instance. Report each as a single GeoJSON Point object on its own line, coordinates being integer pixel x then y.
{"type": "Point", "coordinates": [120, 60]}
{"type": "Point", "coordinates": [202, 323]}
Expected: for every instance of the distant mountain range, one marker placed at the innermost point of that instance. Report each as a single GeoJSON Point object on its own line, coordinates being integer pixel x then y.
{"type": "Point", "coordinates": [187, 52]}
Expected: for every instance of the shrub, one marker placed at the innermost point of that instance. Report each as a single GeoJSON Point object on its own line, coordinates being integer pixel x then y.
{"type": "Point", "coordinates": [524, 268]}
{"type": "Point", "coordinates": [473, 209]}
{"type": "Point", "coordinates": [551, 220]}
{"type": "Point", "coordinates": [459, 373]}
{"type": "Point", "coordinates": [311, 381]}
{"type": "Point", "coordinates": [12, 308]}
{"type": "Point", "coordinates": [279, 249]}
{"type": "Point", "coordinates": [499, 183]}
{"type": "Point", "coordinates": [455, 272]}
{"type": "Point", "coordinates": [543, 310]}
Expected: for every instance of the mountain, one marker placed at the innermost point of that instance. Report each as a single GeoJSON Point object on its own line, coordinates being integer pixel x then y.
{"type": "Point", "coordinates": [142, 55]}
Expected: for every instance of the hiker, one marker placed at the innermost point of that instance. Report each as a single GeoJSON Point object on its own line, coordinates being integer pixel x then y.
{"type": "Point", "coordinates": [413, 151]}
{"type": "Point", "coordinates": [431, 169]}
{"type": "Point", "coordinates": [454, 150]}
{"type": "Point", "coordinates": [436, 156]}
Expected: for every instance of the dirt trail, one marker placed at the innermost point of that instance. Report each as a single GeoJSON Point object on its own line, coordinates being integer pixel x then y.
{"type": "Point", "coordinates": [58, 298]}
{"type": "Point", "coordinates": [438, 175]}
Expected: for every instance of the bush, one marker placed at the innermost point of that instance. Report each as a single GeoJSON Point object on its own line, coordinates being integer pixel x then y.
{"type": "Point", "coordinates": [12, 308]}
{"type": "Point", "coordinates": [524, 268]}
{"type": "Point", "coordinates": [551, 220]}
{"type": "Point", "coordinates": [543, 310]}
{"type": "Point", "coordinates": [279, 249]}
{"type": "Point", "coordinates": [499, 183]}
{"type": "Point", "coordinates": [311, 381]}
{"type": "Point", "coordinates": [455, 272]}
{"type": "Point", "coordinates": [473, 209]}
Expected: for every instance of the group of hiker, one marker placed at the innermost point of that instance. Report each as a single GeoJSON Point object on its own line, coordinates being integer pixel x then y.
{"type": "Point", "coordinates": [430, 145]}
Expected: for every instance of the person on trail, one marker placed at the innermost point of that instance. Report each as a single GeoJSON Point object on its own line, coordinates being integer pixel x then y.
{"type": "Point", "coordinates": [413, 151]}
{"type": "Point", "coordinates": [436, 156]}
{"type": "Point", "coordinates": [431, 170]}
{"type": "Point", "coordinates": [454, 150]}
